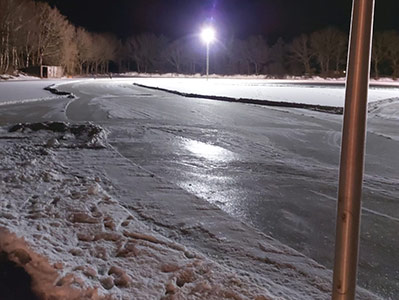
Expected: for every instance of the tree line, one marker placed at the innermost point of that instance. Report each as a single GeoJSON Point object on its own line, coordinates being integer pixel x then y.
{"type": "Point", "coordinates": [33, 33]}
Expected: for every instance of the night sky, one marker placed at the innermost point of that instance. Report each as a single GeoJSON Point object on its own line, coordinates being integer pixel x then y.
{"type": "Point", "coordinates": [239, 18]}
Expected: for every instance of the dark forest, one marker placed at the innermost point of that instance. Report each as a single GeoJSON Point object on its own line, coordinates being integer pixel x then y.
{"type": "Point", "coordinates": [34, 33]}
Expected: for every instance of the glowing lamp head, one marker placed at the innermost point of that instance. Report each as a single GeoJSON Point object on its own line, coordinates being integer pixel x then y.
{"type": "Point", "coordinates": [208, 35]}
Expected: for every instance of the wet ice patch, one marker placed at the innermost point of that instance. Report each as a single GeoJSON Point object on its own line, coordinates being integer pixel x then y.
{"type": "Point", "coordinates": [208, 151]}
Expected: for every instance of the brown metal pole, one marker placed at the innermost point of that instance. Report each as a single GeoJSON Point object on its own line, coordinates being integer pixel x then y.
{"type": "Point", "coordinates": [352, 151]}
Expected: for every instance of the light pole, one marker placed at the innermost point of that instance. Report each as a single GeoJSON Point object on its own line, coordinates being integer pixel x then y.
{"type": "Point", "coordinates": [352, 151]}
{"type": "Point", "coordinates": [208, 36]}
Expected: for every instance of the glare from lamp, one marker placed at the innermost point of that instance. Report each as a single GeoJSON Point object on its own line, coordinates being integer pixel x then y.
{"type": "Point", "coordinates": [208, 35]}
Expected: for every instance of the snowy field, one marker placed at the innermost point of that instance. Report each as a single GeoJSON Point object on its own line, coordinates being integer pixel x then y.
{"type": "Point", "coordinates": [146, 201]}
{"type": "Point", "coordinates": [15, 91]}
{"type": "Point", "coordinates": [313, 92]}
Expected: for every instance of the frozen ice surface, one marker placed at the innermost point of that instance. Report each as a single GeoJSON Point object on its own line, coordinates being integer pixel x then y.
{"type": "Point", "coordinates": [65, 215]}
{"type": "Point", "coordinates": [61, 222]}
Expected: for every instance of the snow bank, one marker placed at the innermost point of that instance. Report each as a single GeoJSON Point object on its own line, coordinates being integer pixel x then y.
{"type": "Point", "coordinates": [386, 80]}
{"type": "Point", "coordinates": [17, 76]}
{"type": "Point", "coordinates": [17, 92]}
{"type": "Point", "coordinates": [386, 109]}
{"type": "Point", "coordinates": [310, 92]}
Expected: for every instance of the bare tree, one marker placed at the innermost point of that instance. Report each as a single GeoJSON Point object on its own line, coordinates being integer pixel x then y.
{"type": "Point", "coordinates": [340, 51]}
{"type": "Point", "coordinates": [14, 18]}
{"type": "Point", "coordinates": [103, 51]}
{"type": "Point", "coordinates": [146, 50]}
{"type": "Point", "coordinates": [237, 58]}
{"type": "Point", "coordinates": [278, 53]}
{"type": "Point", "coordinates": [393, 52]}
{"type": "Point", "coordinates": [251, 54]}
{"type": "Point", "coordinates": [53, 36]}
{"type": "Point", "coordinates": [256, 52]}
{"type": "Point", "coordinates": [84, 44]}
{"type": "Point", "coordinates": [120, 56]}
{"type": "Point", "coordinates": [301, 52]}
{"type": "Point", "coordinates": [175, 55]}
{"type": "Point", "coordinates": [194, 58]}
{"type": "Point", "coordinates": [380, 50]}
{"type": "Point", "coordinates": [110, 50]}
{"type": "Point", "coordinates": [69, 50]}
{"type": "Point", "coordinates": [328, 46]}
{"type": "Point", "coordinates": [29, 34]}
{"type": "Point", "coordinates": [136, 51]}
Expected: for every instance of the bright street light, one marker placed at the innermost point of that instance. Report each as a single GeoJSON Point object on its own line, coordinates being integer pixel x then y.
{"type": "Point", "coordinates": [208, 35]}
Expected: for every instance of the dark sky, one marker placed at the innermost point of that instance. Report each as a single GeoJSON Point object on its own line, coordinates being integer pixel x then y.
{"type": "Point", "coordinates": [241, 18]}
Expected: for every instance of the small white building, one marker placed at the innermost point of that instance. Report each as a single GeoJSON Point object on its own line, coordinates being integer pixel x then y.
{"type": "Point", "coordinates": [51, 71]}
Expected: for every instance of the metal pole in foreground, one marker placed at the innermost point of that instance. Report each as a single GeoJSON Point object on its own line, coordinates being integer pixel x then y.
{"type": "Point", "coordinates": [207, 60]}
{"type": "Point", "coordinates": [352, 151]}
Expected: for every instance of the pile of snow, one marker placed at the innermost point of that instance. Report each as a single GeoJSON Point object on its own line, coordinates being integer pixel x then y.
{"type": "Point", "coordinates": [70, 136]}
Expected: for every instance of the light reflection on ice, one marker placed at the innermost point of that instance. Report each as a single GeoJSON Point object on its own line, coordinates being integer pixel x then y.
{"type": "Point", "coordinates": [207, 183]}
{"type": "Point", "coordinates": [218, 190]}
{"type": "Point", "coordinates": [211, 152]}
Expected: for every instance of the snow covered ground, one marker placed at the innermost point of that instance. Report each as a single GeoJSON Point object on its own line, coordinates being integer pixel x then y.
{"type": "Point", "coordinates": [15, 91]}
{"type": "Point", "coordinates": [87, 222]}
{"type": "Point", "coordinates": [77, 242]}
{"type": "Point", "coordinates": [17, 77]}
{"type": "Point", "coordinates": [312, 92]}
{"type": "Point", "coordinates": [62, 224]}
